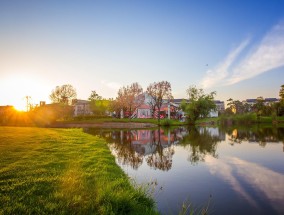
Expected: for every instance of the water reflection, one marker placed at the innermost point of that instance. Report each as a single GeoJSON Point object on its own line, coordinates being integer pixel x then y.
{"type": "Point", "coordinates": [157, 146]}
{"type": "Point", "coordinates": [250, 175]}
{"type": "Point", "coordinates": [201, 142]}
{"type": "Point", "coordinates": [238, 172]}
{"type": "Point", "coordinates": [260, 135]}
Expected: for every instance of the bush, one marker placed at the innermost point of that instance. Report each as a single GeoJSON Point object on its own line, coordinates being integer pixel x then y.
{"type": "Point", "coordinates": [166, 122]}
{"type": "Point", "coordinates": [243, 119]}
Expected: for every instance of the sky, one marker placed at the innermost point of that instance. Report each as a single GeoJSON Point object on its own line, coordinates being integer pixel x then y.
{"type": "Point", "coordinates": [233, 47]}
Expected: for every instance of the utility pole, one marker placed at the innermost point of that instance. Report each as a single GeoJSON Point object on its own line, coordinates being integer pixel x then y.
{"type": "Point", "coordinates": [28, 102]}
{"type": "Point", "coordinates": [169, 110]}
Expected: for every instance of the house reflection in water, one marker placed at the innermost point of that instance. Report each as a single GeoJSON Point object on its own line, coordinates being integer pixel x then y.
{"type": "Point", "coordinates": [157, 147]}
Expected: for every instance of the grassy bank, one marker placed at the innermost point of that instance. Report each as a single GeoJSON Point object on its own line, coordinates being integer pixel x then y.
{"type": "Point", "coordinates": [245, 119]}
{"type": "Point", "coordinates": [63, 171]}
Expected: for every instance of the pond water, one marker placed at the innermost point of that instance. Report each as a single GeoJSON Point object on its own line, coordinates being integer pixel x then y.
{"type": "Point", "coordinates": [233, 170]}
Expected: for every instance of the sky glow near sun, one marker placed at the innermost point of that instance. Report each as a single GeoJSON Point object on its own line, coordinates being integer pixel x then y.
{"type": "Point", "coordinates": [17, 87]}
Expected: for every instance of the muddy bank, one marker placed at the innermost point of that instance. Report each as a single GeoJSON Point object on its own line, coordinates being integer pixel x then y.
{"type": "Point", "coordinates": [103, 125]}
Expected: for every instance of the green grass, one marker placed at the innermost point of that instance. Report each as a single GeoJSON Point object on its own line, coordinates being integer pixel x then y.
{"type": "Point", "coordinates": [63, 171]}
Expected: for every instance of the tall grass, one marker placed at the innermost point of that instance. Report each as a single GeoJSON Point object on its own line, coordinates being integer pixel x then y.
{"type": "Point", "coordinates": [241, 119]}
{"type": "Point", "coordinates": [63, 171]}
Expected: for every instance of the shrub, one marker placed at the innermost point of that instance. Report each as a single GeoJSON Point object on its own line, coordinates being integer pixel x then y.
{"type": "Point", "coordinates": [166, 122]}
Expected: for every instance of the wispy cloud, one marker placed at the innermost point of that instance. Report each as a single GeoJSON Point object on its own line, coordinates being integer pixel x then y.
{"type": "Point", "coordinates": [268, 55]}
{"type": "Point", "coordinates": [217, 75]}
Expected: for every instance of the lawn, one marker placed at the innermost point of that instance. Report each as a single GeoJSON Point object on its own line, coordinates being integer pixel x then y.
{"type": "Point", "coordinates": [64, 171]}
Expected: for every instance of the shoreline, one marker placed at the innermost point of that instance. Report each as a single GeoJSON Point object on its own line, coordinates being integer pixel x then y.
{"type": "Point", "coordinates": [103, 125]}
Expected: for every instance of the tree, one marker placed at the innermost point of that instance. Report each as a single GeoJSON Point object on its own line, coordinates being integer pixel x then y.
{"type": "Point", "coordinates": [130, 97]}
{"type": "Point", "coordinates": [280, 107]}
{"type": "Point", "coordinates": [151, 102]}
{"type": "Point", "coordinates": [259, 106]}
{"type": "Point", "coordinates": [281, 93]}
{"type": "Point", "coordinates": [63, 94]}
{"type": "Point", "coordinates": [94, 96]}
{"type": "Point", "coordinates": [159, 92]}
{"type": "Point", "coordinates": [98, 104]}
{"type": "Point", "coordinates": [238, 107]}
{"type": "Point", "coordinates": [199, 105]}
{"type": "Point", "coordinates": [134, 97]}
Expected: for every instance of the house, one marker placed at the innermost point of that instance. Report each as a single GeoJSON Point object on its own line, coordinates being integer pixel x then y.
{"type": "Point", "coordinates": [144, 109]}
{"type": "Point", "coordinates": [81, 107]}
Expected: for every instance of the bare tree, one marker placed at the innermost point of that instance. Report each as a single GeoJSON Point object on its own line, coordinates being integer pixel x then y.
{"type": "Point", "coordinates": [130, 97]}
{"type": "Point", "coordinates": [63, 94]}
{"type": "Point", "coordinates": [159, 92]}
{"type": "Point", "coordinates": [151, 102]}
{"type": "Point", "coordinates": [135, 97]}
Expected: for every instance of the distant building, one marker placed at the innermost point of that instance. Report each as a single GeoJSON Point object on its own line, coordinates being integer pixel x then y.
{"type": "Point", "coordinates": [267, 101]}
{"type": "Point", "coordinates": [250, 101]}
{"type": "Point", "coordinates": [81, 107]}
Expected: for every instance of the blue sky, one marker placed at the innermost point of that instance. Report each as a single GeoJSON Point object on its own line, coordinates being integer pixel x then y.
{"type": "Point", "coordinates": [233, 47]}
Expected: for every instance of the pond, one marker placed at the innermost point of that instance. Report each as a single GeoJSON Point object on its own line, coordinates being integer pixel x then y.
{"type": "Point", "coordinates": [233, 170]}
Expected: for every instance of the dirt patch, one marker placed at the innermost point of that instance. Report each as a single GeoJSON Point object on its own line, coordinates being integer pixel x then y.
{"type": "Point", "coordinates": [103, 125]}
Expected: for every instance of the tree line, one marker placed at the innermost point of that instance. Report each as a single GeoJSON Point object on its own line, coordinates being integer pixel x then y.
{"type": "Point", "coordinates": [260, 108]}
{"type": "Point", "coordinates": [130, 97]}
{"type": "Point", "coordinates": [197, 104]}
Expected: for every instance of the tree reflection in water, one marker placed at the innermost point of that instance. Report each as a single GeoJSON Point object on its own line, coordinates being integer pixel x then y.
{"type": "Point", "coordinates": [200, 142]}
{"type": "Point", "coordinates": [161, 158]}
{"type": "Point", "coordinates": [131, 146]}
{"type": "Point", "coordinates": [120, 143]}
{"type": "Point", "coordinates": [157, 147]}
{"type": "Point", "coordinates": [258, 134]}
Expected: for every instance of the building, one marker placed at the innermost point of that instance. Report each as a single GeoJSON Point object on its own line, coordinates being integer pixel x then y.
{"type": "Point", "coordinates": [267, 101]}
{"type": "Point", "coordinates": [144, 109]}
{"type": "Point", "coordinates": [81, 107]}
{"type": "Point", "coordinates": [270, 101]}
{"type": "Point", "coordinates": [220, 106]}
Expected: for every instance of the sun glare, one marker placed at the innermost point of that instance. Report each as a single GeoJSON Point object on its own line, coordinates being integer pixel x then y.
{"type": "Point", "coordinates": [21, 87]}
{"type": "Point", "coordinates": [20, 107]}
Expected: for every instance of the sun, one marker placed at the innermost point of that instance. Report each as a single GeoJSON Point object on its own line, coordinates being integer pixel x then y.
{"type": "Point", "coordinates": [20, 107]}
{"type": "Point", "coordinates": [20, 87]}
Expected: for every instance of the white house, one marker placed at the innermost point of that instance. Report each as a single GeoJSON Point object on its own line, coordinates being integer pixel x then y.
{"type": "Point", "coordinates": [81, 107]}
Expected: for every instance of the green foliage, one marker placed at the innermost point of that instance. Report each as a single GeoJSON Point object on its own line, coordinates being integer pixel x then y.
{"type": "Point", "coordinates": [95, 96]}
{"type": "Point", "coordinates": [238, 119]}
{"type": "Point", "coordinates": [100, 107]}
{"type": "Point", "coordinates": [200, 104]}
{"type": "Point", "coordinates": [166, 122]}
{"type": "Point", "coordinates": [281, 93]}
{"type": "Point", "coordinates": [63, 171]}
{"type": "Point", "coordinates": [237, 107]}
